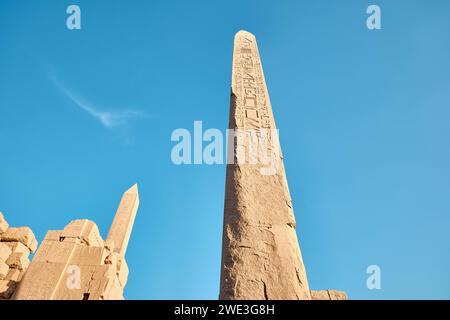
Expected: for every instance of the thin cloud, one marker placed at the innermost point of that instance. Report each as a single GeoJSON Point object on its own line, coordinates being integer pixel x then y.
{"type": "Point", "coordinates": [109, 119]}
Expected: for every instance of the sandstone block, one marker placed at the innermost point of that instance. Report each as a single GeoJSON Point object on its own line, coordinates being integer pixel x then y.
{"type": "Point", "coordinates": [120, 230]}
{"type": "Point", "coordinates": [4, 269]}
{"type": "Point", "coordinates": [88, 256]}
{"type": "Point", "coordinates": [109, 244]}
{"type": "Point", "coordinates": [122, 273]}
{"type": "Point", "coordinates": [16, 247]}
{"type": "Point", "coordinates": [7, 289]}
{"type": "Point", "coordinates": [69, 289]}
{"type": "Point", "coordinates": [320, 295]}
{"type": "Point", "coordinates": [337, 295]}
{"type": "Point", "coordinates": [5, 251]}
{"type": "Point", "coordinates": [112, 258]}
{"type": "Point", "coordinates": [328, 295]}
{"type": "Point", "coordinates": [40, 281]}
{"type": "Point", "coordinates": [53, 235]}
{"type": "Point", "coordinates": [33, 245]}
{"type": "Point", "coordinates": [101, 281]}
{"type": "Point", "coordinates": [113, 290]}
{"type": "Point", "coordinates": [85, 230]}
{"type": "Point", "coordinates": [23, 235]}
{"type": "Point", "coordinates": [15, 275]}
{"type": "Point", "coordinates": [120, 266]}
{"type": "Point", "coordinates": [55, 251]}
{"type": "Point", "coordinates": [75, 263]}
{"type": "Point", "coordinates": [18, 261]}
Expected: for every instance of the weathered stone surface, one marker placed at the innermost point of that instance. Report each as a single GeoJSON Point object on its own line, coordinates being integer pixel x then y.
{"type": "Point", "coordinates": [337, 295]}
{"type": "Point", "coordinates": [84, 230]}
{"type": "Point", "coordinates": [89, 288]}
{"type": "Point", "coordinates": [76, 252]}
{"type": "Point", "coordinates": [105, 284]}
{"type": "Point", "coordinates": [320, 295]}
{"type": "Point", "coordinates": [89, 256]}
{"type": "Point", "coordinates": [3, 224]}
{"type": "Point", "coordinates": [75, 263]}
{"type": "Point", "coordinates": [18, 260]}
{"type": "Point", "coordinates": [261, 257]}
{"type": "Point", "coordinates": [53, 235]}
{"type": "Point", "coordinates": [5, 251]}
{"type": "Point", "coordinates": [40, 281]}
{"type": "Point", "coordinates": [48, 275]}
{"type": "Point", "coordinates": [15, 275]}
{"type": "Point", "coordinates": [23, 235]}
{"type": "Point", "coordinates": [33, 245]}
{"type": "Point", "coordinates": [109, 244]}
{"type": "Point", "coordinates": [4, 269]}
{"type": "Point", "coordinates": [328, 295]}
{"type": "Point", "coordinates": [7, 289]}
{"type": "Point", "coordinates": [54, 251]}
{"type": "Point", "coordinates": [120, 230]}
{"type": "Point", "coordinates": [16, 247]}
{"type": "Point", "coordinates": [122, 272]}
{"type": "Point", "coordinates": [112, 258]}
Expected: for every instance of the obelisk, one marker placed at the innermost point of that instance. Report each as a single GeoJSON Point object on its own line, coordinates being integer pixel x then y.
{"type": "Point", "coordinates": [121, 228]}
{"type": "Point", "coordinates": [261, 257]}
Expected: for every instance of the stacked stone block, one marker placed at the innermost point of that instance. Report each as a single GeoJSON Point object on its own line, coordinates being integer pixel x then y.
{"type": "Point", "coordinates": [16, 244]}
{"type": "Point", "coordinates": [75, 264]}
{"type": "Point", "coordinates": [328, 295]}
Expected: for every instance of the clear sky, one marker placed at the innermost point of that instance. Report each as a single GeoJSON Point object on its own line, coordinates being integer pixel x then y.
{"type": "Point", "coordinates": [363, 118]}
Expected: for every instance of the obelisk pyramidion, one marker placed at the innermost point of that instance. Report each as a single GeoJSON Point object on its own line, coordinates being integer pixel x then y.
{"type": "Point", "coordinates": [261, 257]}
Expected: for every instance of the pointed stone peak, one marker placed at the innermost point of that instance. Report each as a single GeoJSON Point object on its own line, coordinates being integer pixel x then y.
{"type": "Point", "coordinates": [133, 189]}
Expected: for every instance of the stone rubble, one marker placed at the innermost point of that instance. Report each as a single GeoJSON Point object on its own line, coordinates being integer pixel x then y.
{"type": "Point", "coordinates": [16, 244]}
{"type": "Point", "coordinates": [328, 295]}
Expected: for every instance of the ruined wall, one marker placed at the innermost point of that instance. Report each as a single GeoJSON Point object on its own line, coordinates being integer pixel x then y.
{"type": "Point", "coordinates": [77, 264]}
{"type": "Point", "coordinates": [16, 244]}
{"type": "Point", "coordinates": [74, 264]}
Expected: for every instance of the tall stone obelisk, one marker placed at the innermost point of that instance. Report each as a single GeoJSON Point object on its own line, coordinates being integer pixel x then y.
{"type": "Point", "coordinates": [261, 257]}
{"type": "Point", "coordinates": [121, 228]}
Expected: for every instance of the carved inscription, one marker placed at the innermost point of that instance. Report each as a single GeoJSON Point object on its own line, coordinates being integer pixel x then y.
{"type": "Point", "coordinates": [251, 108]}
{"type": "Point", "coordinates": [252, 114]}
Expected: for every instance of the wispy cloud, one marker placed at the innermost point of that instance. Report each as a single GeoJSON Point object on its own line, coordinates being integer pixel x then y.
{"type": "Point", "coordinates": [108, 119]}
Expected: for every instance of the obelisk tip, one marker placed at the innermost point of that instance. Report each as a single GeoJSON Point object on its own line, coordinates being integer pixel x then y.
{"type": "Point", "coordinates": [133, 189]}
{"type": "Point", "coordinates": [244, 33]}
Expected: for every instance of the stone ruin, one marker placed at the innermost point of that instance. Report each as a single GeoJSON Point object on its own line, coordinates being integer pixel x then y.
{"type": "Point", "coordinates": [71, 264]}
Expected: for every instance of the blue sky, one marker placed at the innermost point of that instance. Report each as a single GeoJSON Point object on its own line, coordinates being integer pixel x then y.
{"type": "Point", "coordinates": [363, 118]}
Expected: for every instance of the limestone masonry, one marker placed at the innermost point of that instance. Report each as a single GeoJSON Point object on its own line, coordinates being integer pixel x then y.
{"type": "Point", "coordinates": [71, 264]}
{"type": "Point", "coordinates": [16, 244]}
